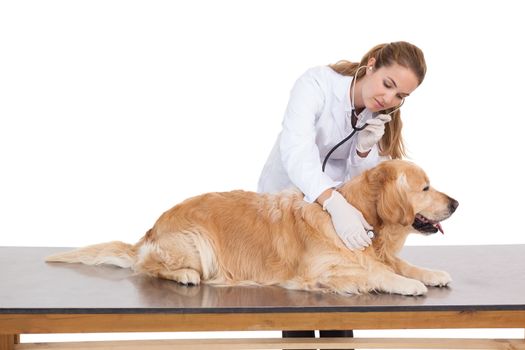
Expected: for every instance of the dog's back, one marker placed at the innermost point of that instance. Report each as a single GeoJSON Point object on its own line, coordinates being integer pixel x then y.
{"type": "Point", "coordinates": [235, 237]}
{"type": "Point", "coordinates": [239, 237]}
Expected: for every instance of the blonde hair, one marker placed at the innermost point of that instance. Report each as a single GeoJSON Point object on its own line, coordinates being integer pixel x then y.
{"type": "Point", "coordinates": [404, 54]}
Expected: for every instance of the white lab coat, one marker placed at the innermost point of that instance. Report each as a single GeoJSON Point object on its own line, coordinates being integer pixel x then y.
{"type": "Point", "coordinates": [318, 117]}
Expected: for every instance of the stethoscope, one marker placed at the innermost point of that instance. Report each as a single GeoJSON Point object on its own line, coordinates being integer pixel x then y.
{"type": "Point", "coordinates": [354, 116]}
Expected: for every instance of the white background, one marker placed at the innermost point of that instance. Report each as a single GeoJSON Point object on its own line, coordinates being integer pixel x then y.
{"type": "Point", "coordinates": [113, 111]}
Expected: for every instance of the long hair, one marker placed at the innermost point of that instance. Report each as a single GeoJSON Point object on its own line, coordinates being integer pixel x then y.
{"type": "Point", "coordinates": [404, 54]}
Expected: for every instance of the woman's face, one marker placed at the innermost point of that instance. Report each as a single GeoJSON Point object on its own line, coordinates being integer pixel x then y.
{"type": "Point", "coordinates": [386, 87]}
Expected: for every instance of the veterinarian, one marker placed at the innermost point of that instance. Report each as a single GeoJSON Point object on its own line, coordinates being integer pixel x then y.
{"type": "Point", "coordinates": [326, 104]}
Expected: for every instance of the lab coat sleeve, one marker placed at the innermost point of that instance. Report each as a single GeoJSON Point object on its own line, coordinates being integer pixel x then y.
{"type": "Point", "coordinates": [299, 152]}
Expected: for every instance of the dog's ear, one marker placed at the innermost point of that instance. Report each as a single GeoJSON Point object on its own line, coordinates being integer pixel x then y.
{"type": "Point", "coordinates": [393, 206]}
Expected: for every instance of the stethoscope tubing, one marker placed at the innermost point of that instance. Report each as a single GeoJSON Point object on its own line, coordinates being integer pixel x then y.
{"type": "Point", "coordinates": [356, 129]}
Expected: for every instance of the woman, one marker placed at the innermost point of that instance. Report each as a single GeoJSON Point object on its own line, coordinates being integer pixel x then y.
{"type": "Point", "coordinates": [325, 105]}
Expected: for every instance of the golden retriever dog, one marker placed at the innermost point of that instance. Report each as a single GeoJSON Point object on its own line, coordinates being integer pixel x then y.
{"type": "Point", "coordinates": [239, 238]}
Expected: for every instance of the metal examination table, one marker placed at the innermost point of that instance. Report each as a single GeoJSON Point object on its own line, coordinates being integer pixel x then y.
{"type": "Point", "coordinates": [488, 291]}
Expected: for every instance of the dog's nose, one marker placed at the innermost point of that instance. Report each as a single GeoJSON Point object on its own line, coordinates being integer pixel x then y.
{"type": "Point", "coordinates": [453, 205]}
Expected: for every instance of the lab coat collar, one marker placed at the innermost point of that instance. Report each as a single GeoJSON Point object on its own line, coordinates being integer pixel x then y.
{"type": "Point", "coordinates": [342, 93]}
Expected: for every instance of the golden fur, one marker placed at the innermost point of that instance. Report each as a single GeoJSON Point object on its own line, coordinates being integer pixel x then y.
{"type": "Point", "coordinates": [239, 237]}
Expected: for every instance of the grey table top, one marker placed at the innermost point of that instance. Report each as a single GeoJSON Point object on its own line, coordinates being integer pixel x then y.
{"type": "Point", "coordinates": [487, 277]}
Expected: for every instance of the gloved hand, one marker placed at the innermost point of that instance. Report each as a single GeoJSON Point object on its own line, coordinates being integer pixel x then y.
{"type": "Point", "coordinates": [348, 222]}
{"type": "Point", "coordinates": [373, 132]}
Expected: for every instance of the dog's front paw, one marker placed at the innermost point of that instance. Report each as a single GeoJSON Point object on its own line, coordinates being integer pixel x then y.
{"type": "Point", "coordinates": [414, 287]}
{"type": "Point", "coordinates": [408, 286]}
{"type": "Point", "coordinates": [436, 278]}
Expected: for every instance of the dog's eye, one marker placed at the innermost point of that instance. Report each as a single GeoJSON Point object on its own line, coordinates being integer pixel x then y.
{"type": "Point", "coordinates": [426, 188]}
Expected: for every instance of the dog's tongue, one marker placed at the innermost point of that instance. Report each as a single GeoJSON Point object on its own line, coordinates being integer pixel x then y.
{"type": "Point", "coordinates": [438, 226]}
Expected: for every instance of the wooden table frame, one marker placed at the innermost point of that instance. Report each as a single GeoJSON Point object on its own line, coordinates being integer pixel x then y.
{"type": "Point", "coordinates": [13, 325]}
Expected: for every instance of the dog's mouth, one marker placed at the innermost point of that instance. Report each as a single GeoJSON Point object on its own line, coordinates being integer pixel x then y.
{"type": "Point", "coordinates": [424, 225]}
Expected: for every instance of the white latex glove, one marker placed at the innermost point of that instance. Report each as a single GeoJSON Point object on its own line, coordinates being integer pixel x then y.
{"type": "Point", "coordinates": [373, 132]}
{"type": "Point", "coordinates": [348, 222]}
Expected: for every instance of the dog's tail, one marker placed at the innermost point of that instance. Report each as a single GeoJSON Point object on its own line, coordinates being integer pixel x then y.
{"type": "Point", "coordinates": [111, 253]}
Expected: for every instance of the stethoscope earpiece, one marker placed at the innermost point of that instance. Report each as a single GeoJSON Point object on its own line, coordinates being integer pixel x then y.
{"type": "Point", "coordinates": [402, 102]}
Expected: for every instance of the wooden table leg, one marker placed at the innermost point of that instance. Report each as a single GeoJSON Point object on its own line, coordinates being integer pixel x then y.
{"type": "Point", "coordinates": [8, 341]}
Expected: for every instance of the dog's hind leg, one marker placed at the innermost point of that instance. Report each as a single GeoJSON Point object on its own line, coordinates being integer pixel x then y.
{"type": "Point", "coordinates": [184, 257]}
{"type": "Point", "coordinates": [183, 276]}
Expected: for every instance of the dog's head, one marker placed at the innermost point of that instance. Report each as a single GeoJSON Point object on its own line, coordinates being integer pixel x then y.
{"type": "Point", "coordinates": [402, 194]}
